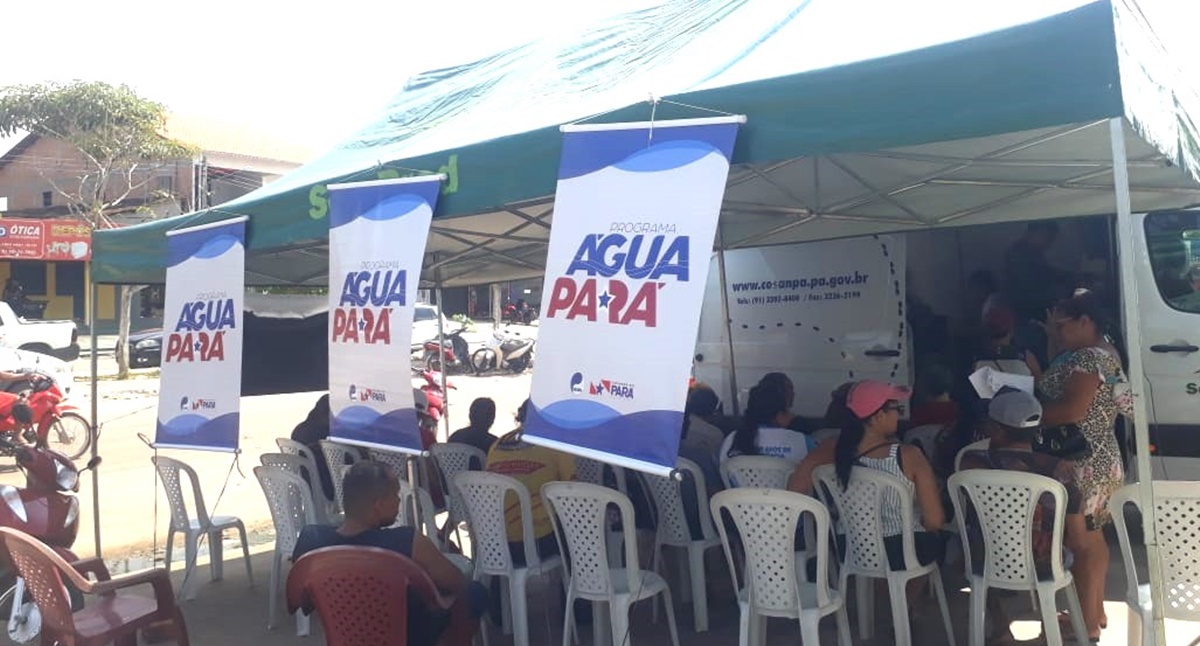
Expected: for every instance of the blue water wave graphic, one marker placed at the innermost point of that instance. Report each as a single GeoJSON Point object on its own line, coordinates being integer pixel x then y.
{"type": "Point", "coordinates": [196, 430]}
{"type": "Point", "coordinates": [216, 246]}
{"type": "Point", "coordinates": [650, 436]}
{"type": "Point", "coordinates": [666, 156]}
{"type": "Point", "coordinates": [395, 428]}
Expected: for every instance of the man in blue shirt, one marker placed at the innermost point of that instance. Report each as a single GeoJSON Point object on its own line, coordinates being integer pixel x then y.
{"type": "Point", "coordinates": [371, 499]}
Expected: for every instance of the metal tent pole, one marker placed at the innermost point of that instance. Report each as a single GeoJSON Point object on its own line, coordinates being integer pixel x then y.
{"type": "Point", "coordinates": [442, 359]}
{"type": "Point", "coordinates": [1133, 341]}
{"type": "Point", "coordinates": [733, 387]}
{"type": "Point", "coordinates": [95, 421]}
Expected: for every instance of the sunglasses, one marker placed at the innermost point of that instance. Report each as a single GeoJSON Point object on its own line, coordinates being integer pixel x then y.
{"type": "Point", "coordinates": [899, 408]}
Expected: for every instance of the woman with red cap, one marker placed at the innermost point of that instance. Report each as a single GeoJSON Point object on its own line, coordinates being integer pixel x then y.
{"type": "Point", "coordinates": [870, 417]}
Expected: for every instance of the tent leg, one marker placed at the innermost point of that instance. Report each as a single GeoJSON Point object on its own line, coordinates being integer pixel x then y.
{"type": "Point", "coordinates": [733, 387]}
{"type": "Point", "coordinates": [442, 362]}
{"type": "Point", "coordinates": [1133, 342]}
{"type": "Point", "coordinates": [95, 421]}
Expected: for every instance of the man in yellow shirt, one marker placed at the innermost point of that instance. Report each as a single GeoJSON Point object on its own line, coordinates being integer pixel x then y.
{"type": "Point", "coordinates": [533, 466]}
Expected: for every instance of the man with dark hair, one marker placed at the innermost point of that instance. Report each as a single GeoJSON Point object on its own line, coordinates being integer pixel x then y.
{"type": "Point", "coordinates": [1031, 283]}
{"type": "Point", "coordinates": [482, 415]}
{"type": "Point", "coordinates": [370, 496]}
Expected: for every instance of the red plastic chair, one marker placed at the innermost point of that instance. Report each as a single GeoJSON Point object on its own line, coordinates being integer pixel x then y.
{"type": "Point", "coordinates": [360, 593]}
{"type": "Point", "coordinates": [110, 619]}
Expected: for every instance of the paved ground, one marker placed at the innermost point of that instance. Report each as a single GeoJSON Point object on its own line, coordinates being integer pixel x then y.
{"type": "Point", "coordinates": [231, 612]}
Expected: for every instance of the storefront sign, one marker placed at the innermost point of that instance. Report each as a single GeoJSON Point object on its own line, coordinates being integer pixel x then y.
{"type": "Point", "coordinates": [24, 239]}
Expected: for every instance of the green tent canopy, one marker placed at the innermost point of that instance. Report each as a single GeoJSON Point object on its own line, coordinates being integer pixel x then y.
{"type": "Point", "coordinates": [1009, 123]}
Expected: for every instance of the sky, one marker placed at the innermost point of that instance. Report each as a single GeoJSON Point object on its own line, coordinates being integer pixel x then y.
{"type": "Point", "coordinates": [318, 71]}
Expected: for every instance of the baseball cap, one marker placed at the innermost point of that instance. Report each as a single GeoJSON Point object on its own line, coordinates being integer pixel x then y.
{"type": "Point", "coordinates": [867, 397]}
{"type": "Point", "coordinates": [420, 401]}
{"type": "Point", "coordinates": [1016, 409]}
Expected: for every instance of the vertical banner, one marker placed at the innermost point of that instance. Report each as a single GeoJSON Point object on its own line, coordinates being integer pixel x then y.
{"type": "Point", "coordinates": [635, 214]}
{"type": "Point", "coordinates": [377, 233]}
{"type": "Point", "coordinates": [201, 385]}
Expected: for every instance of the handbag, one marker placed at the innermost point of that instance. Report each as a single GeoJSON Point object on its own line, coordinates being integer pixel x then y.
{"type": "Point", "coordinates": [1066, 442]}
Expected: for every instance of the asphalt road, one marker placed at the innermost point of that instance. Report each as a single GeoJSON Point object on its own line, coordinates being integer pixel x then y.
{"type": "Point", "coordinates": [133, 510]}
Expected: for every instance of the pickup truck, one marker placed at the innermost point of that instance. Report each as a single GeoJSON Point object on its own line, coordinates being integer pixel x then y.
{"type": "Point", "coordinates": [59, 339]}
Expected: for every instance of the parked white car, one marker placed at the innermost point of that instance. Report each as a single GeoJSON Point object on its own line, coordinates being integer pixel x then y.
{"type": "Point", "coordinates": [58, 339]}
{"type": "Point", "coordinates": [425, 324]}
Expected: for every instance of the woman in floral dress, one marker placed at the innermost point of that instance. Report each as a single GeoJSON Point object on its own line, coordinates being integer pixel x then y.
{"type": "Point", "coordinates": [1086, 386]}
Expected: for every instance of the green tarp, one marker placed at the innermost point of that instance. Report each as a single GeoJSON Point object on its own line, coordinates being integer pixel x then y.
{"type": "Point", "coordinates": [1069, 68]}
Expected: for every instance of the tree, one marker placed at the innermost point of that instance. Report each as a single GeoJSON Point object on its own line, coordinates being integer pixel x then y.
{"type": "Point", "coordinates": [119, 136]}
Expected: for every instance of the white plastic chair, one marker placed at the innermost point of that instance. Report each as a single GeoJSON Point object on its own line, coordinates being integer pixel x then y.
{"type": "Point", "coordinates": [865, 556]}
{"type": "Point", "coordinates": [417, 510]}
{"type": "Point", "coordinates": [673, 531]}
{"type": "Point", "coordinates": [580, 516]}
{"type": "Point", "coordinates": [484, 499]}
{"type": "Point", "coordinates": [1004, 503]}
{"type": "Point", "coordinates": [397, 462]}
{"type": "Point", "coordinates": [775, 585]}
{"type": "Point", "coordinates": [925, 438]}
{"type": "Point", "coordinates": [756, 471]}
{"type": "Point", "coordinates": [328, 510]}
{"type": "Point", "coordinates": [297, 465]}
{"type": "Point", "coordinates": [291, 503]}
{"type": "Point", "coordinates": [591, 471]}
{"type": "Point", "coordinates": [1176, 516]}
{"type": "Point", "coordinates": [452, 459]}
{"type": "Point", "coordinates": [203, 525]}
{"type": "Point", "coordinates": [337, 456]}
{"type": "Point", "coordinates": [977, 445]}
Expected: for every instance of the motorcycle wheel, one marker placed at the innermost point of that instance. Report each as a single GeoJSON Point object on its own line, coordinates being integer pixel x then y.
{"type": "Point", "coordinates": [71, 435]}
{"type": "Point", "coordinates": [432, 362]}
{"type": "Point", "coordinates": [519, 365]}
{"type": "Point", "coordinates": [483, 360]}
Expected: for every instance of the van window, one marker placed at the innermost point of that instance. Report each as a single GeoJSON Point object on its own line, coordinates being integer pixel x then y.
{"type": "Point", "coordinates": [424, 314]}
{"type": "Point", "coordinates": [1174, 245]}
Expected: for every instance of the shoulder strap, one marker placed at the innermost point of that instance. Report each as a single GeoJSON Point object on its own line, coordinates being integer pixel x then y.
{"type": "Point", "coordinates": [877, 446]}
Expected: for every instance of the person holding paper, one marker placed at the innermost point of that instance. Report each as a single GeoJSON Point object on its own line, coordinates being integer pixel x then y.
{"type": "Point", "coordinates": [1086, 386]}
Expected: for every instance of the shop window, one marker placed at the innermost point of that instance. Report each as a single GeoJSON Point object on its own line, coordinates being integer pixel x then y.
{"type": "Point", "coordinates": [1174, 245]}
{"type": "Point", "coordinates": [31, 275]}
{"type": "Point", "coordinates": [47, 199]}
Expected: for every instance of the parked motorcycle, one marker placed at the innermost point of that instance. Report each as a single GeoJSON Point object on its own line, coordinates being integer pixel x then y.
{"type": "Point", "coordinates": [434, 394]}
{"type": "Point", "coordinates": [55, 423]}
{"type": "Point", "coordinates": [47, 509]}
{"type": "Point", "coordinates": [505, 351]}
{"type": "Point", "coordinates": [455, 354]}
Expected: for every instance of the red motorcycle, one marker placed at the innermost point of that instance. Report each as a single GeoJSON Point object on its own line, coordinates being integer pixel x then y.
{"type": "Point", "coordinates": [47, 509]}
{"type": "Point", "coordinates": [433, 392]}
{"type": "Point", "coordinates": [455, 354]}
{"type": "Point", "coordinates": [54, 421]}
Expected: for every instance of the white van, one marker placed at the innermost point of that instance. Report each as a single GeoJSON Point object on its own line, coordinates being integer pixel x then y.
{"type": "Point", "coordinates": [838, 310]}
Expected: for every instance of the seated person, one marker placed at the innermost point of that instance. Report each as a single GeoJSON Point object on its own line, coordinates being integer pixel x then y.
{"type": "Point", "coordinates": [310, 432]}
{"type": "Point", "coordinates": [700, 435]}
{"type": "Point", "coordinates": [870, 417]}
{"type": "Point", "coordinates": [784, 383]}
{"type": "Point", "coordinates": [703, 403]}
{"type": "Point", "coordinates": [371, 499]}
{"type": "Point", "coordinates": [999, 350]}
{"type": "Point", "coordinates": [1014, 417]}
{"type": "Point", "coordinates": [478, 434]}
{"type": "Point", "coordinates": [764, 429]}
{"type": "Point", "coordinates": [533, 466]}
{"type": "Point", "coordinates": [936, 407]}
